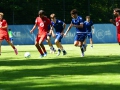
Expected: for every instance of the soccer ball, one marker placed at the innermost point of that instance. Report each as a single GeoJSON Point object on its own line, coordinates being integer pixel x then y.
{"type": "Point", "coordinates": [27, 55]}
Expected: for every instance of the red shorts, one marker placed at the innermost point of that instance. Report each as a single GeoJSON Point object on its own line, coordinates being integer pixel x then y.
{"type": "Point", "coordinates": [4, 36]}
{"type": "Point", "coordinates": [41, 37]}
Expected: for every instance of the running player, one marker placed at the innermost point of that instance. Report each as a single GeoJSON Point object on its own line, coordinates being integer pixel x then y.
{"type": "Point", "coordinates": [42, 22]}
{"type": "Point", "coordinates": [116, 22]}
{"type": "Point", "coordinates": [89, 29]}
{"type": "Point", "coordinates": [80, 36]}
{"type": "Point", "coordinates": [59, 27]}
{"type": "Point", "coordinates": [4, 33]}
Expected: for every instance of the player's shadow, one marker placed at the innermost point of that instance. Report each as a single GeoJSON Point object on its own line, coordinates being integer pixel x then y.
{"type": "Point", "coordinates": [91, 65]}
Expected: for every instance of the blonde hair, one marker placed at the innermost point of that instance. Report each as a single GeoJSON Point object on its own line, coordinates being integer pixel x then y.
{"type": "Point", "coordinates": [52, 15]}
{"type": "Point", "coordinates": [1, 14]}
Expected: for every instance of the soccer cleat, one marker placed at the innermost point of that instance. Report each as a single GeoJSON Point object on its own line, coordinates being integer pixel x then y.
{"type": "Point", "coordinates": [54, 50]}
{"type": "Point", "coordinates": [15, 50]}
{"type": "Point", "coordinates": [82, 54]}
{"type": "Point", "coordinates": [59, 51]}
{"type": "Point", "coordinates": [64, 52]}
{"type": "Point", "coordinates": [91, 47]}
{"type": "Point", "coordinates": [41, 56]}
{"type": "Point", "coordinates": [45, 54]}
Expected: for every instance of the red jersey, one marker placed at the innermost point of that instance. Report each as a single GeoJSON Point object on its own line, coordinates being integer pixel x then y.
{"type": "Point", "coordinates": [3, 23]}
{"type": "Point", "coordinates": [42, 24]}
{"type": "Point", "coordinates": [118, 24]}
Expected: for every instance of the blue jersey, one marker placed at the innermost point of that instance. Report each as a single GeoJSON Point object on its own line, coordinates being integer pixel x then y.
{"type": "Point", "coordinates": [78, 21]}
{"type": "Point", "coordinates": [88, 25]}
{"type": "Point", "coordinates": [58, 25]}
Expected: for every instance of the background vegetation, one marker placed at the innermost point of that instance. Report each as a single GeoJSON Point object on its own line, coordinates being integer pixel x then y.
{"type": "Point", "coordinates": [25, 11]}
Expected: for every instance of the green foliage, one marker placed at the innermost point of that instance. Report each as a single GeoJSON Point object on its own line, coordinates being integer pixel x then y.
{"type": "Point", "coordinates": [25, 11]}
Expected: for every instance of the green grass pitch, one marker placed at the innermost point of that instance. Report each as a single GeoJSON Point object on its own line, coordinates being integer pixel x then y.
{"type": "Point", "coordinates": [98, 70]}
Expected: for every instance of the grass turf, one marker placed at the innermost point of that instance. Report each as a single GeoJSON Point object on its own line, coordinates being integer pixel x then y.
{"type": "Point", "coordinates": [98, 70]}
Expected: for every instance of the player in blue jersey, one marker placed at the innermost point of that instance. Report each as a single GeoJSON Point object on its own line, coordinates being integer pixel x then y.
{"type": "Point", "coordinates": [89, 29]}
{"type": "Point", "coordinates": [59, 27]}
{"type": "Point", "coordinates": [48, 40]}
{"type": "Point", "coordinates": [77, 21]}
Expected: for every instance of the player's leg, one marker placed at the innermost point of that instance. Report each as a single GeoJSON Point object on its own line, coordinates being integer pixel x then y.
{"type": "Point", "coordinates": [44, 50]}
{"type": "Point", "coordinates": [78, 41]}
{"type": "Point", "coordinates": [59, 38]}
{"type": "Point", "coordinates": [11, 40]}
{"type": "Point", "coordinates": [85, 44]}
{"type": "Point", "coordinates": [38, 46]}
{"type": "Point", "coordinates": [52, 49]}
{"type": "Point", "coordinates": [11, 44]}
{"type": "Point", "coordinates": [15, 49]}
{"type": "Point", "coordinates": [58, 46]}
{"type": "Point", "coordinates": [91, 42]}
{"type": "Point", "coordinates": [43, 37]}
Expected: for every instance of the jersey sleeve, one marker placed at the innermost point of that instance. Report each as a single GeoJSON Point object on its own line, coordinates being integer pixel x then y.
{"type": "Point", "coordinates": [4, 23]}
{"type": "Point", "coordinates": [81, 21]}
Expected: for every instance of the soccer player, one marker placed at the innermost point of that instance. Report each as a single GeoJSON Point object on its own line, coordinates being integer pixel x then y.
{"type": "Point", "coordinates": [10, 35]}
{"type": "Point", "coordinates": [48, 40]}
{"type": "Point", "coordinates": [77, 21]}
{"type": "Point", "coordinates": [88, 24]}
{"type": "Point", "coordinates": [42, 22]}
{"type": "Point", "coordinates": [116, 22]}
{"type": "Point", "coordinates": [4, 33]}
{"type": "Point", "coordinates": [59, 27]}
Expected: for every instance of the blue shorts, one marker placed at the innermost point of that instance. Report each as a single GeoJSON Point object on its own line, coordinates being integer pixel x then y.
{"type": "Point", "coordinates": [80, 37]}
{"type": "Point", "coordinates": [59, 37]}
{"type": "Point", "coordinates": [89, 35]}
{"type": "Point", "coordinates": [11, 39]}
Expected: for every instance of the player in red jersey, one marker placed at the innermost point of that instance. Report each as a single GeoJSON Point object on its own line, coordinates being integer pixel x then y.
{"type": "Point", "coordinates": [116, 22]}
{"type": "Point", "coordinates": [42, 22]}
{"type": "Point", "coordinates": [4, 33]}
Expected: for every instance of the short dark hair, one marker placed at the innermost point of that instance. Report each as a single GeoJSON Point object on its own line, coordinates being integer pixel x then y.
{"type": "Point", "coordinates": [41, 12]}
{"type": "Point", "coordinates": [87, 16]}
{"type": "Point", "coordinates": [117, 10]}
{"type": "Point", "coordinates": [74, 11]}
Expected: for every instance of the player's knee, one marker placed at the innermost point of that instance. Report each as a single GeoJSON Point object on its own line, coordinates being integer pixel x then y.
{"type": "Point", "coordinates": [56, 41]}
{"type": "Point", "coordinates": [36, 44]}
{"type": "Point", "coordinates": [75, 44]}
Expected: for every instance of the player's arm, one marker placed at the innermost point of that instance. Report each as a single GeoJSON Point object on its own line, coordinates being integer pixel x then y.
{"type": "Point", "coordinates": [78, 26]}
{"type": "Point", "coordinates": [33, 28]}
{"type": "Point", "coordinates": [52, 31]}
{"type": "Point", "coordinates": [64, 26]}
{"type": "Point", "coordinates": [69, 27]}
{"type": "Point", "coordinates": [113, 22]}
{"type": "Point", "coordinates": [5, 25]}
